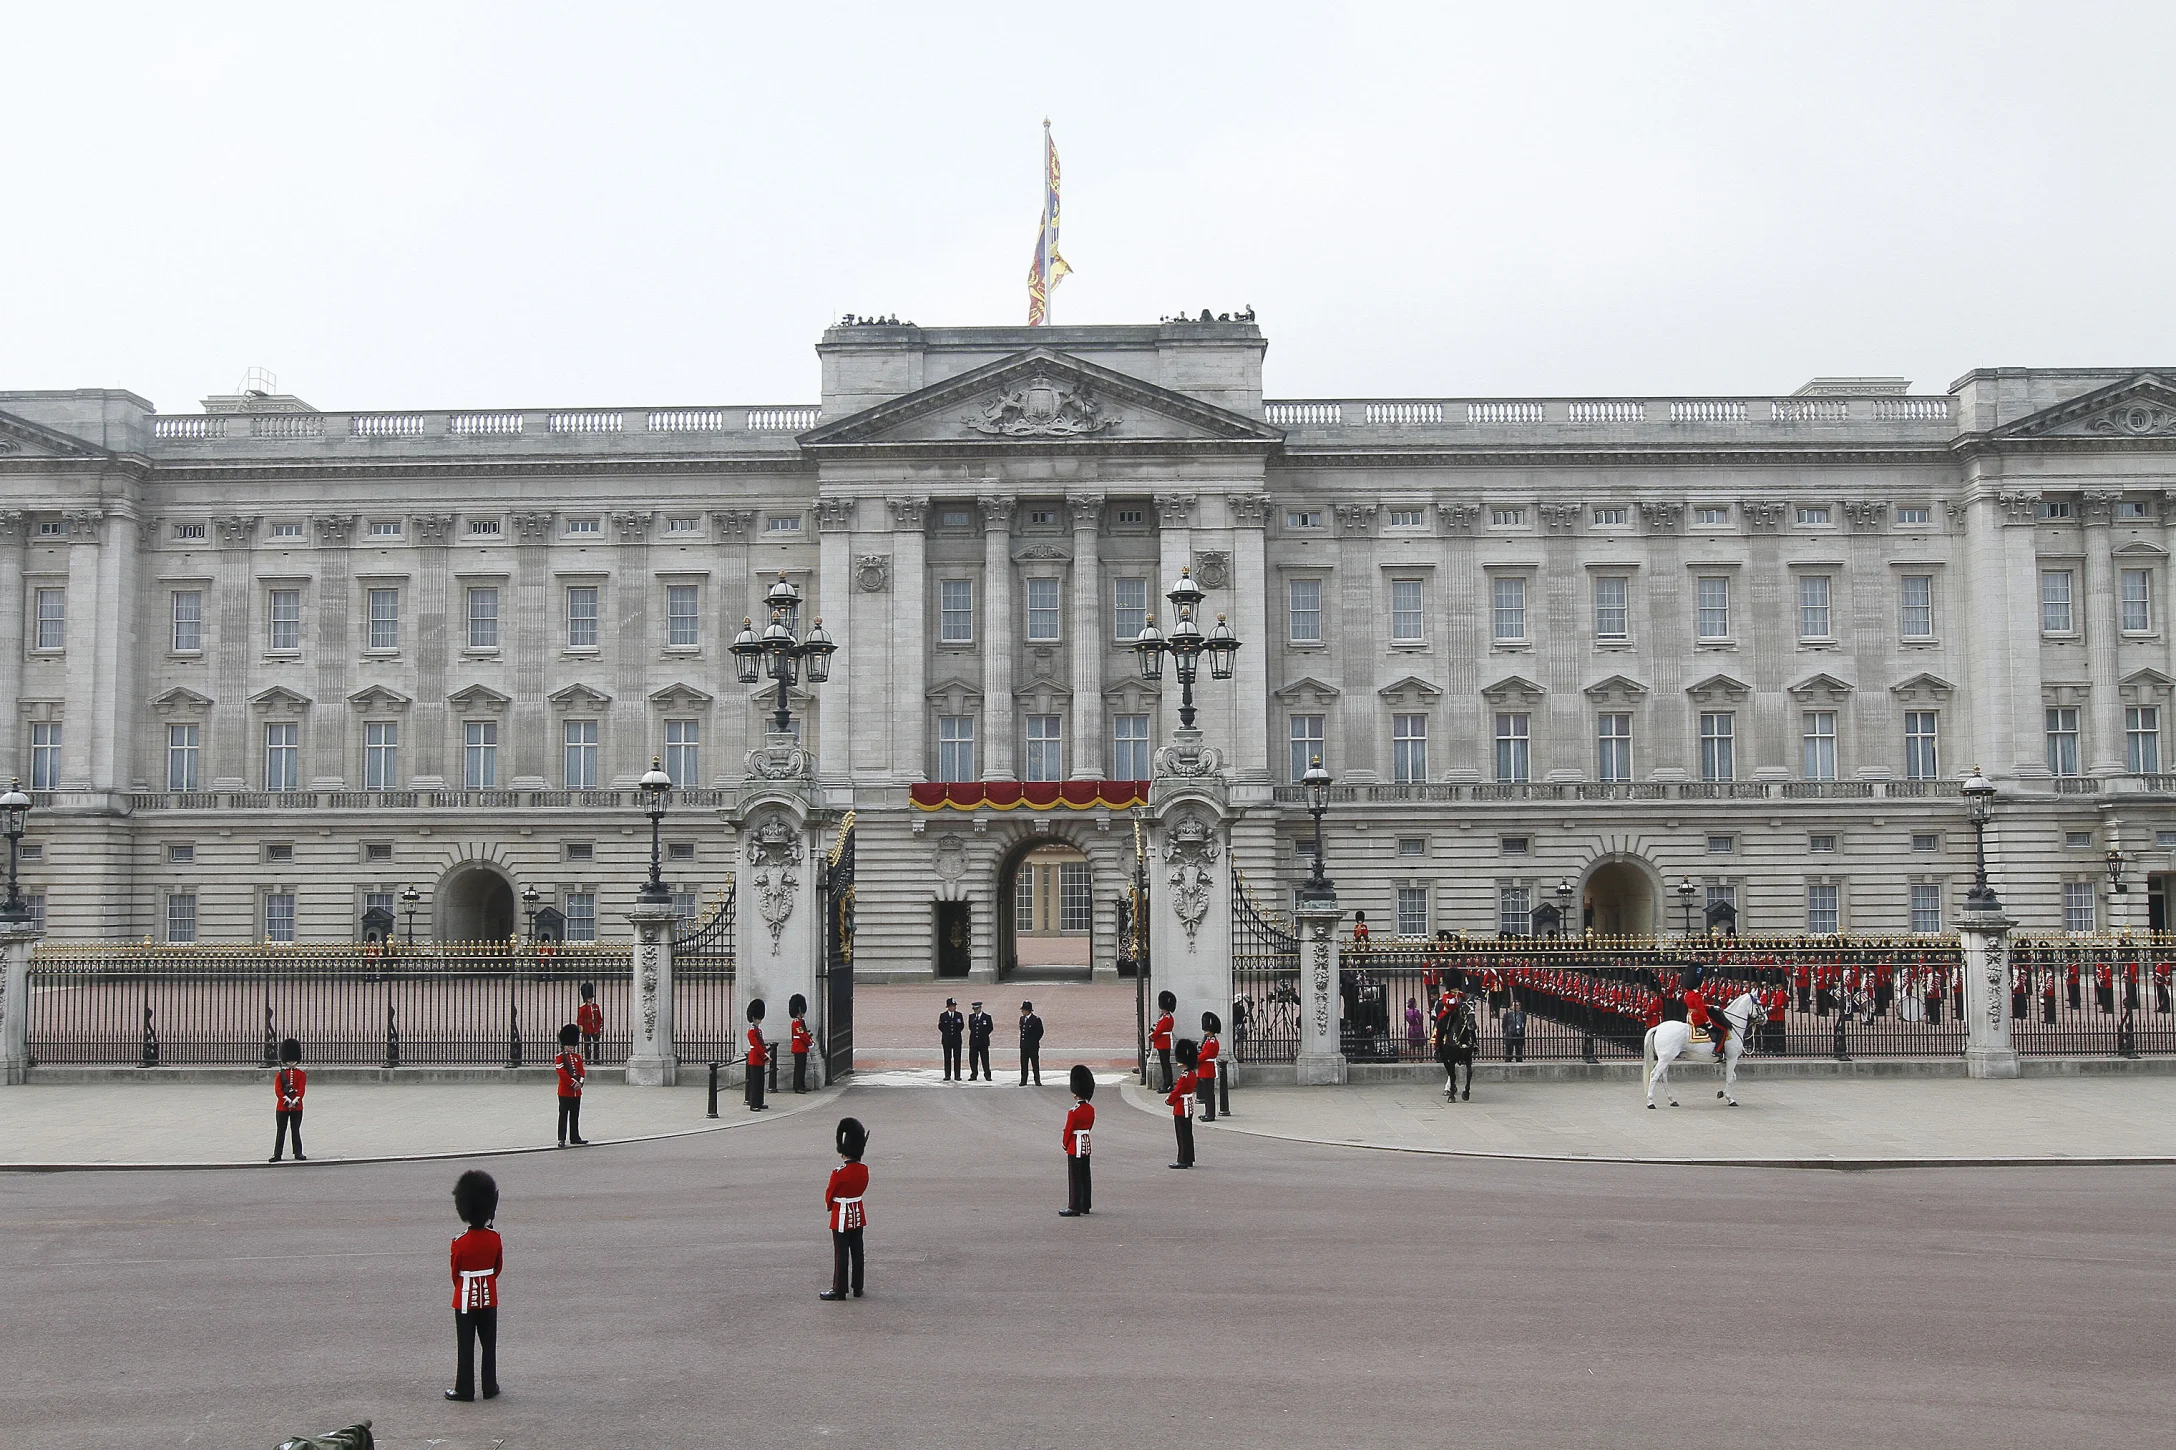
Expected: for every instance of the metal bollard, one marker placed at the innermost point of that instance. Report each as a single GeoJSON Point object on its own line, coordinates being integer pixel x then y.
{"type": "Point", "coordinates": [713, 1090]}
{"type": "Point", "coordinates": [771, 1069]}
{"type": "Point", "coordinates": [1224, 1087]}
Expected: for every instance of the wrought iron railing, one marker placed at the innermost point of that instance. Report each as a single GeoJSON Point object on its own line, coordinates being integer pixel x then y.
{"type": "Point", "coordinates": [1264, 1023]}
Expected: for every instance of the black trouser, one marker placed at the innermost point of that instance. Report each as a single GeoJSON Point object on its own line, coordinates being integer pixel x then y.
{"type": "Point", "coordinates": [800, 1072]}
{"type": "Point", "coordinates": [755, 1086]}
{"type": "Point", "coordinates": [2071, 991]}
{"type": "Point", "coordinates": [1934, 1010]}
{"type": "Point", "coordinates": [2105, 998]}
{"type": "Point", "coordinates": [570, 1119]}
{"type": "Point", "coordinates": [1205, 1090]}
{"type": "Point", "coordinates": [468, 1328]}
{"type": "Point", "coordinates": [978, 1060]}
{"type": "Point", "coordinates": [1184, 1126]}
{"type": "Point", "coordinates": [846, 1260]}
{"type": "Point", "coordinates": [1031, 1060]}
{"type": "Point", "coordinates": [1076, 1182]}
{"type": "Point", "coordinates": [1514, 1047]}
{"type": "Point", "coordinates": [290, 1122]}
{"type": "Point", "coordinates": [1805, 999]}
{"type": "Point", "coordinates": [589, 1046]}
{"type": "Point", "coordinates": [1163, 1064]}
{"type": "Point", "coordinates": [952, 1059]}
{"type": "Point", "coordinates": [2047, 1008]}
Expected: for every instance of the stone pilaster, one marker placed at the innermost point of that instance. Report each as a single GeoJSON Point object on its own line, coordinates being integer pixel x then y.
{"type": "Point", "coordinates": [911, 633]}
{"type": "Point", "coordinates": [226, 748]}
{"type": "Point", "coordinates": [440, 627]}
{"type": "Point", "coordinates": [89, 620]}
{"type": "Point", "coordinates": [1985, 938]}
{"type": "Point", "coordinates": [848, 740]}
{"type": "Point", "coordinates": [1087, 637]}
{"type": "Point", "coordinates": [523, 632]}
{"type": "Point", "coordinates": [652, 1060]}
{"type": "Point", "coordinates": [1250, 621]}
{"type": "Point", "coordinates": [1321, 1060]}
{"type": "Point", "coordinates": [736, 603]}
{"type": "Point", "coordinates": [996, 631]}
{"type": "Point", "coordinates": [12, 529]}
{"type": "Point", "coordinates": [2097, 619]}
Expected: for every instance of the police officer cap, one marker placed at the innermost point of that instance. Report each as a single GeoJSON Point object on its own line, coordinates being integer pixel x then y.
{"type": "Point", "coordinates": [755, 1010]}
{"type": "Point", "coordinates": [1186, 1051]}
{"type": "Point", "coordinates": [1027, 1006]}
{"type": "Point", "coordinates": [796, 1005]}
{"type": "Point", "coordinates": [290, 1050]}
{"type": "Point", "coordinates": [1210, 1022]}
{"type": "Point", "coordinates": [853, 1138]}
{"type": "Point", "coordinates": [1084, 1081]}
{"type": "Point", "coordinates": [1167, 1001]}
{"type": "Point", "coordinates": [476, 1197]}
{"type": "Point", "coordinates": [569, 1035]}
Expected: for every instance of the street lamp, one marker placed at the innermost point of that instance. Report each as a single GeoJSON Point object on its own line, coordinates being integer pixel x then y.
{"type": "Point", "coordinates": [1979, 799]}
{"type": "Point", "coordinates": [530, 896]}
{"type": "Point", "coordinates": [1317, 781]}
{"type": "Point", "coordinates": [1685, 892]}
{"type": "Point", "coordinates": [14, 807]}
{"type": "Point", "coordinates": [777, 652]}
{"type": "Point", "coordinates": [656, 786]}
{"type": "Point", "coordinates": [2116, 862]}
{"type": "Point", "coordinates": [1564, 893]}
{"type": "Point", "coordinates": [1186, 645]}
{"type": "Point", "coordinates": [409, 896]}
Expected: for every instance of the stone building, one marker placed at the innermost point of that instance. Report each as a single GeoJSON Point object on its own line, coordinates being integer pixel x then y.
{"type": "Point", "coordinates": [1629, 657]}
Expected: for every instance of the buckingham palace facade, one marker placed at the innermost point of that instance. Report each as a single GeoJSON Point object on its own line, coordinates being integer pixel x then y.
{"type": "Point", "coordinates": [272, 666]}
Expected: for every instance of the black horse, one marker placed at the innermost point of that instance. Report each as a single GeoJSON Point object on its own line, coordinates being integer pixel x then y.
{"type": "Point", "coordinates": [1458, 1038]}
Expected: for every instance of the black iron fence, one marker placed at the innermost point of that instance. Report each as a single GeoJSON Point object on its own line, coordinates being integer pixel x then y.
{"type": "Point", "coordinates": [488, 1004]}
{"type": "Point", "coordinates": [1584, 999]}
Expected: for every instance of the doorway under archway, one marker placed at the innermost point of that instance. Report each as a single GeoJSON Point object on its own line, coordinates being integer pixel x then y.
{"type": "Point", "coordinates": [1046, 911]}
{"type": "Point", "coordinates": [475, 903]}
{"type": "Point", "coordinates": [1619, 899]}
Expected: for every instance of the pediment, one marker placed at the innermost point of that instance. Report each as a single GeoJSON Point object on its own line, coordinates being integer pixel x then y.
{"type": "Point", "coordinates": [1042, 398]}
{"type": "Point", "coordinates": [479, 697]}
{"type": "Point", "coordinates": [1719, 687]}
{"type": "Point", "coordinates": [1307, 690]}
{"type": "Point", "coordinates": [2142, 407]}
{"type": "Point", "coordinates": [579, 697]}
{"type": "Point", "coordinates": [1820, 686]}
{"type": "Point", "coordinates": [953, 690]}
{"type": "Point", "coordinates": [2144, 687]}
{"type": "Point", "coordinates": [1923, 688]}
{"type": "Point", "coordinates": [279, 699]}
{"type": "Point", "coordinates": [21, 439]}
{"type": "Point", "coordinates": [679, 695]}
{"type": "Point", "coordinates": [1512, 688]}
{"type": "Point", "coordinates": [1132, 695]}
{"type": "Point", "coordinates": [1412, 690]}
{"type": "Point", "coordinates": [379, 697]}
{"type": "Point", "coordinates": [2140, 549]}
{"type": "Point", "coordinates": [181, 700]}
{"type": "Point", "coordinates": [1616, 687]}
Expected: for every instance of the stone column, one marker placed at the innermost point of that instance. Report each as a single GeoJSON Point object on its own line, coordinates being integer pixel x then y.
{"type": "Point", "coordinates": [441, 629]}
{"type": "Point", "coordinates": [226, 746]}
{"type": "Point", "coordinates": [777, 922]}
{"type": "Point", "coordinates": [1175, 551]}
{"type": "Point", "coordinates": [995, 631]}
{"type": "Point", "coordinates": [910, 638]}
{"type": "Point", "coordinates": [1087, 635]}
{"type": "Point", "coordinates": [1985, 938]}
{"type": "Point", "coordinates": [1321, 1059]}
{"type": "Point", "coordinates": [89, 623]}
{"type": "Point", "coordinates": [17, 939]}
{"type": "Point", "coordinates": [2097, 618]}
{"type": "Point", "coordinates": [1250, 620]}
{"type": "Point", "coordinates": [12, 528]}
{"type": "Point", "coordinates": [651, 1058]}
{"type": "Point", "coordinates": [849, 743]}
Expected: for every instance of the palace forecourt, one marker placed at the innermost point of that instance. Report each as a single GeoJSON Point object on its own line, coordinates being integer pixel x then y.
{"type": "Point", "coordinates": [1635, 667]}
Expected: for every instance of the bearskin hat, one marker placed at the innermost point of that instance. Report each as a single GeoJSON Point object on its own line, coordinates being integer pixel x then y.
{"type": "Point", "coordinates": [853, 1138]}
{"type": "Point", "coordinates": [290, 1050]}
{"type": "Point", "coordinates": [755, 1010]}
{"type": "Point", "coordinates": [1212, 1023]}
{"type": "Point", "coordinates": [476, 1197]}
{"type": "Point", "coordinates": [1187, 1051]}
{"type": "Point", "coordinates": [569, 1034]}
{"type": "Point", "coordinates": [1167, 1001]}
{"type": "Point", "coordinates": [1084, 1082]}
{"type": "Point", "coordinates": [796, 1005]}
{"type": "Point", "coordinates": [589, 990]}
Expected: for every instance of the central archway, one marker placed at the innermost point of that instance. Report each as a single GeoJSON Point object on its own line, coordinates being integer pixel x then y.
{"type": "Point", "coordinates": [1619, 898]}
{"type": "Point", "coordinates": [475, 903]}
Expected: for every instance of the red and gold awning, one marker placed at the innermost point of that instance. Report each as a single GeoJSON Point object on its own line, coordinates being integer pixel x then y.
{"type": "Point", "coordinates": [1033, 795]}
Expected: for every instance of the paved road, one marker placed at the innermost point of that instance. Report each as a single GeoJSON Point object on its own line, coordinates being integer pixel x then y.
{"type": "Point", "coordinates": [1287, 1293]}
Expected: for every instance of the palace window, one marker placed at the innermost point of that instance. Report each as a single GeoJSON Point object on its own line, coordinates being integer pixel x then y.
{"type": "Point", "coordinates": [283, 756]}
{"type": "Point", "coordinates": [1821, 844]}
{"type": "Point", "coordinates": [1506, 518]}
{"type": "Point", "coordinates": [284, 633]}
{"type": "Point", "coordinates": [1722, 845]}
{"type": "Point", "coordinates": [1824, 909]}
{"type": "Point", "coordinates": [1303, 519]}
{"type": "Point", "coordinates": [188, 621]}
{"type": "Point", "coordinates": [1718, 746]}
{"type": "Point", "coordinates": [2054, 509]}
{"type": "Point", "coordinates": [1714, 606]}
{"type": "Point", "coordinates": [45, 755]}
{"type": "Point", "coordinates": [1605, 518]}
{"type": "Point", "coordinates": [581, 916]}
{"type": "Point", "coordinates": [1613, 743]}
{"type": "Point", "coordinates": [1412, 911]}
{"type": "Point", "coordinates": [484, 529]}
{"type": "Point", "coordinates": [1814, 516]}
{"type": "Point", "coordinates": [1813, 607]}
{"type": "Point", "coordinates": [385, 528]}
{"type": "Point", "coordinates": [1408, 748]}
{"type": "Point", "coordinates": [956, 611]}
{"type": "Point", "coordinates": [580, 739]}
{"type": "Point", "coordinates": [287, 531]}
{"type": "Point", "coordinates": [1514, 910]}
{"type": "Point", "coordinates": [1405, 611]}
{"type": "Point", "coordinates": [955, 747]}
{"type": "Point", "coordinates": [2142, 738]}
{"type": "Point", "coordinates": [585, 526]}
{"type": "Point", "coordinates": [1914, 514]}
{"type": "Point", "coordinates": [1129, 747]}
{"type": "Point", "coordinates": [480, 754]}
{"type": "Point", "coordinates": [279, 916]}
{"type": "Point", "coordinates": [1926, 908]}
{"type": "Point", "coordinates": [684, 752]}
{"type": "Point", "coordinates": [383, 607]}
{"type": "Point", "coordinates": [2055, 615]}
{"type": "Point", "coordinates": [1921, 758]}
{"type": "Point", "coordinates": [1046, 747]}
{"type": "Point", "coordinates": [483, 619]}
{"type": "Point", "coordinates": [1305, 599]}
{"type": "Point", "coordinates": [1129, 609]}
{"type": "Point", "coordinates": [52, 619]}
{"type": "Point", "coordinates": [2133, 509]}
{"type": "Point", "coordinates": [2062, 732]}
{"type": "Point", "coordinates": [683, 620]}
{"type": "Point", "coordinates": [1305, 735]}
{"type": "Point", "coordinates": [1076, 897]}
{"type": "Point", "coordinates": [2078, 906]}
{"type": "Point", "coordinates": [1612, 607]}
{"type": "Point", "coordinates": [582, 612]}
{"type": "Point", "coordinates": [181, 916]}
{"type": "Point", "coordinates": [1508, 609]}
{"type": "Point", "coordinates": [1042, 611]}
{"type": "Point", "coordinates": [1406, 518]}
{"type": "Point", "coordinates": [1514, 745]}
{"type": "Point", "coordinates": [181, 757]}
{"type": "Point", "coordinates": [1817, 730]}
{"type": "Point", "coordinates": [1926, 841]}
{"type": "Point", "coordinates": [1915, 606]}
{"type": "Point", "coordinates": [381, 755]}
{"type": "Point", "coordinates": [1710, 517]}
{"type": "Point", "coordinates": [2137, 601]}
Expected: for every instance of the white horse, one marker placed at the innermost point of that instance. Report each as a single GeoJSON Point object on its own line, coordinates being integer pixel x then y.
{"type": "Point", "coordinates": [1669, 1041]}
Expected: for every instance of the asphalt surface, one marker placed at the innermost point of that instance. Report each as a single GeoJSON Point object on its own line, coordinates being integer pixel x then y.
{"type": "Point", "coordinates": [663, 1294]}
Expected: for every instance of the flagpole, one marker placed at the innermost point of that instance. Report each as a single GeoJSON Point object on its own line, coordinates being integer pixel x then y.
{"type": "Point", "coordinates": [1044, 251]}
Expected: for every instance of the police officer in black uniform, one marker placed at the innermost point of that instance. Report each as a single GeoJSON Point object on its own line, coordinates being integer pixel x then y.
{"type": "Point", "coordinates": [951, 1027]}
{"type": "Point", "coordinates": [1031, 1044]}
{"type": "Point", "coordinates": [979, 1028]}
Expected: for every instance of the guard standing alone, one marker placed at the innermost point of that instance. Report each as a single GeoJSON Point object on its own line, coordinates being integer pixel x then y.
{"type": "Point", "coordinates": [951, 1028]}
{"type": "Point", "coordinates": [1074, 1135]}
{"type": "Point", "coordinates": [803, 1040]}
{"type": "Point", "coordinates": [478, 1258]}
{"type": "Point", "coordinates": [843, 1202]}
{"type": "Point", "coordinates": [1206, 1069]}
{"type": "Point", "coordinates": [1181, 1101]}
{"type": "Point", "coordinates": [758, 1056]}
{"type": "Point", "coordinates": [979, 1028]}
{"type": "Point", "coordinates": [288, 1086]}
{"type": "Point", "coordinates": [590, 1018]}
{"type": "Point", "coordinates": [1159, 1036]}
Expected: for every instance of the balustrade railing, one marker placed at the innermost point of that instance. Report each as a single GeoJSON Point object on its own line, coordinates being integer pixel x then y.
{"type": "Point", "coordinates": [376, 800]}
{"type": "Point", "coordinates": [1481, 792]}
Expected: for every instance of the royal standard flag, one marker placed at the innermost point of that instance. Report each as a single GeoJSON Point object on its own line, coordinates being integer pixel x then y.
{"type": "Point", "coordinates": [1049, 266]}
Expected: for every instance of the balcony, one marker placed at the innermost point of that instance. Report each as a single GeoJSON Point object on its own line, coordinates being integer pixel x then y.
{"type": "Point", "coordinates": [1493, 792]}
{"type": "Point", "coordinates": [418, 800]}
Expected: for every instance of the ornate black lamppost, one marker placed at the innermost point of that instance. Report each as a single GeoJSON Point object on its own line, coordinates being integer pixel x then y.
{"type": "Point", "coordinates": [1979, 799]}
{"type": "Point", "coordinates": [529, 898]}
{"type": "Point", "coordinates": [1186, 645]}
{"type": "Point", "coordinates": [656, 786]}
{"type": "Point", "coordinates": [1318, 887]}
{"type": "Point", "coordinates": [784, 654]}
{"type": "Point", "coordinates": [409, 896]}
{"type": "Point", "coordinates": [2116, 862]}
{"type": "Point", "coordinates": [14, 808]}
{"type": "Point", "coordinates": [1685, 892]}
{"type": "Point", "coordinates": [1564, 893]}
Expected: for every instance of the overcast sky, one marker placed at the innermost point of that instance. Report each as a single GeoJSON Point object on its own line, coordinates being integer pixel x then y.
{"type": "Point", "coordinates": [462, 205]}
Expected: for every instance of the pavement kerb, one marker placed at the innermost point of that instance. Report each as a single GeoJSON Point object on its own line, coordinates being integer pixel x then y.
{"type": "Point", "coordinates": [1141, 1098]}
{"type": "Point", "coordinates": [784, 1109]}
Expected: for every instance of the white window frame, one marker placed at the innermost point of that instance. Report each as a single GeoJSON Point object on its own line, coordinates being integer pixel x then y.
{"type": "Point", "coordinates": [381, 613]}
{"type": "Point", "coordinates": [188, 620]}
{"type": "Point", "coordinates": [1514, 910]}
{"type": "Point", "coordinates": [481, 605]}
{"type": "Point", "coordinates": [1130, 747]}
{"type": "Point", "coordinates": [1817, 737]}
{"type": "Point", "coordinates": [955, 611]}
{"type": "Point", "coordinates": [1408, 612]}
{"type": "Point", "coordinates": [1816, 607]}
{"type": "Point", "coordinates": [1409, 748]}
{"type": "Point", "coordinates": [1613, 615]}
{"type": "Point", "coordinates": [1303, 610]}
{"type": "Point", "coordinates": [1304, 736]}
{"type": "Point", "coordinates": [2058, 601]}
{"type": "Point", "coordinates": [1514, 747]}
{"type": "Point", "coordinates": [2062, 739]}
{"type": "Point", "coordinates": [1711, 607]}
{"type": "Point", "coordinates": [956, 747]}
{"type": "Point", "coordinates": [279, 916]}
{"type": "Point", "coordinates": [1922, 745]}
{"type": "Point", "coordinates": [584, 615]}
{"type": "Point", "coordinates": [581, 745]}
{"type": "Point", "coordinates": [46, 737]}
{"type": "Point", "coordinates": [1915, 616]}
{"type": "Point", "coordinates": [1043, 752]}
{"type": "Point", "coordinates": [683, 616]}
{"type": "Point", "coordinates": [1044, 610]}
{"type": "Point", "coordinates": [381, 755]}
{"type": "Point", "coordinates": [1129, 608]}
{"type": "Point", "coordinates": [282, 755]}
{"type": "Point", "coordinates": [581, 915]}
{"type": "Point", "coordinates": [479, 754]}
{"type": "Point", "coordinates": [283, 621]}
{"type": "Point", "coordinates": [1412, 912]}
{"type": "Point", "coordinates": [181, 917]}
{"type": "Point", "coordinates": [1924, 903]}
{"type": "Point", "coordinates": [184, 756]}
{"type": "Point", "coordinates": [1718, 745]}
{"type": "Point", "coordinates": [2135, 604]}
{"type": "Point", "coordinates": [1824, 908]}
{"type": "Point", "coordinates": [50, 606]}
{"type": "Point", "coordinates": [1507, 609]}
{"type": "Point", "coordinates": [683, 757]}
{"type": "Point", "coordinates": [2081, 906]}
{"type": "Point", "coordinates": [2142, 738]}
{"type": "Point", "coordinates": [1613, 747]}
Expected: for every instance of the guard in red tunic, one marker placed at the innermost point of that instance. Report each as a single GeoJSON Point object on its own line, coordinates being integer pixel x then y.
{"type": "Point", "coordinates": [1074, 1135]}
{"type": "Point", "coordinates": [478, 1258]}
{"type": "Point", "coordinates": [1159, 1036]}
{"type": "Point", "coordinates": [590, 1018]}
{"type": "Point", "coordinates": [758, 1055]}
{"type": "Point", "coordinates": [288, 1086]}
{"type": "Point", "coordinates": [848, 1214]}
{"type": "Point", "coordinates": [573, 1072]}
{"type": "Point", "coordinates": [803, 1040]}
{"type": "Point", "coordinates": [1205, 1071]}
{"type": "Point", "coordinates": [1181, 1101]}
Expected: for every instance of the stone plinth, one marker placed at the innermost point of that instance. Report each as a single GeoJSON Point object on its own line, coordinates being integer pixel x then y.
{"type": "Point", "coordinates": [651, 1058]}
{"type": "Point", "coordinates": [17, 938]}
{"type": "Point", "coordinates": [1321, 1060]}
{"type": "Point", "coordinates": [1985, 937]}
{"type": "Point", "coordinates": [778, 919]}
